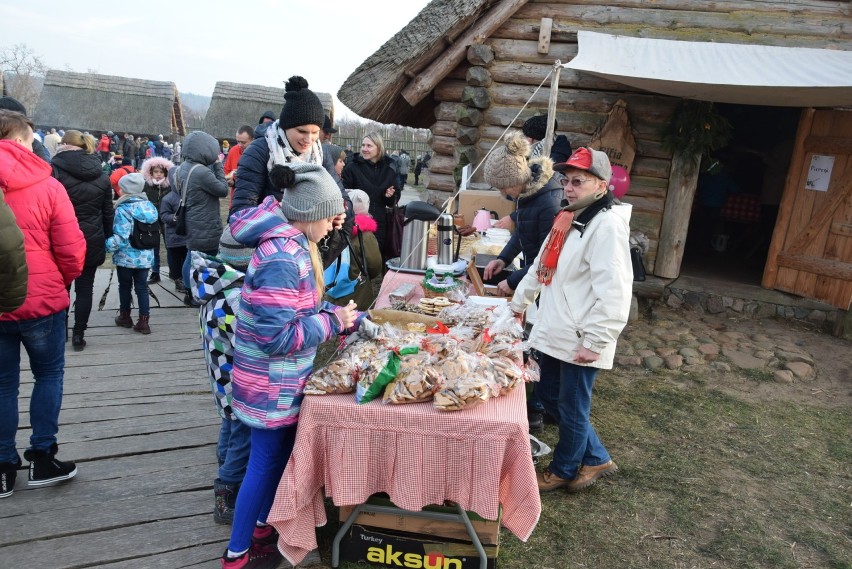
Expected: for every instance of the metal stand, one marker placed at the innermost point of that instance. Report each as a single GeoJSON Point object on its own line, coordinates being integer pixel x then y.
{"type": "Point", "coordinates": [461, 516]}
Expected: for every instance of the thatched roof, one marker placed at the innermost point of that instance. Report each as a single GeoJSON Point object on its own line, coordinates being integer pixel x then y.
{"type": "Point", "coordinates": [373, 90]}
{"type": "Point", "coordinates": [236, 104]}
{"type": "Point", "coordinates": [87, 101]}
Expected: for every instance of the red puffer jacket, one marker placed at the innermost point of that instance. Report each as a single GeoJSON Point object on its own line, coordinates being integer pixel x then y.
{"type": "Point", "coordinates": [55, 246]}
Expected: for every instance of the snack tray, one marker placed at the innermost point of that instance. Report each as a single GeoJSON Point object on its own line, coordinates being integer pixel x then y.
{"type": "Point", "coordinates": [393, 265]}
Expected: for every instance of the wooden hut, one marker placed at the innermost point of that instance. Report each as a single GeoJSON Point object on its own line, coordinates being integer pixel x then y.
{"type": "Point", "coordinates": [236, 104]}
{"type": "Point", "coordinates": [99, 103]}
{"type": "Point", "coordinates": [470, 69]}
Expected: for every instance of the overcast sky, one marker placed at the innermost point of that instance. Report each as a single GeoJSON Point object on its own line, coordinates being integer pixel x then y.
{"type": "Point", "coordinates": [196, 43]}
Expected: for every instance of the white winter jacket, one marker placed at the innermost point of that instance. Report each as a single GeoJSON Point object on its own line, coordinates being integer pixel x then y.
{"type": "Point", "coordinates": [588, 301]}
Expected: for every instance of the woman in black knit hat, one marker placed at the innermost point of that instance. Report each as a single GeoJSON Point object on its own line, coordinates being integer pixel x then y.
{"type": "Point", "coordinates": [294, 137]}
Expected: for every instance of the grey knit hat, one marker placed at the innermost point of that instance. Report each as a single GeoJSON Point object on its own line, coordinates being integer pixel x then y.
{"type": "Point", "coordinates": [132, 184]}
{"type": "Point", "coordinates": [313, 194]}
{"type": "Point", "coordinates": [232, 252]}
{"type": "Point", "coordinates": [507, 166]}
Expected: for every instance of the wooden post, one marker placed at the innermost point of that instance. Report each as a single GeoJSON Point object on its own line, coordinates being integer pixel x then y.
{"type": "Point", "coordinates": [551, 107]}
{"type": "Point", "coordinates": [679, 196]}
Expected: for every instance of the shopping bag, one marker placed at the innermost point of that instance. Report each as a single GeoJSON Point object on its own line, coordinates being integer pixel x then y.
{"type": "Point", "coordinates": [395, 217]}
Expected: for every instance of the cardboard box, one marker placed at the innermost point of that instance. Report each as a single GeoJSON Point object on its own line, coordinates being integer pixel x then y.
{"type": "Point", "coordinates": [488, 531]}
{"type": "Point", "coordinates": [471, 201]}
{"type": "Point", "coordinates": [385, 548]}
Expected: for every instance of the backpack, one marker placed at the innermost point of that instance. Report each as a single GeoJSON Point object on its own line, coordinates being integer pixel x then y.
{"type": "Point", "coordinates": [337, 277]}
{"type": "Point", "coordinates": [145, 235]}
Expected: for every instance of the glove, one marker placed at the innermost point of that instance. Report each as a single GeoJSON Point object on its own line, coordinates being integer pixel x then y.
{"type": "Point", "coordinates": [370, 329]}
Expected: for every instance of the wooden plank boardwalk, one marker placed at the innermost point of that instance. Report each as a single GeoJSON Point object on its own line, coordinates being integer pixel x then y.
{"type": "Point", "coordinates": [139, 420]}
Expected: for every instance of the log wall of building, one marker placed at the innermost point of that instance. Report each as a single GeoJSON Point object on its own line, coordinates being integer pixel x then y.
{"type": "Point", "coordinates": [507, 72]}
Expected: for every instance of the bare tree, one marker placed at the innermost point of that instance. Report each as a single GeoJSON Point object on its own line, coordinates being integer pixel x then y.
{"type": "Point", "coordinates": [24, 72]}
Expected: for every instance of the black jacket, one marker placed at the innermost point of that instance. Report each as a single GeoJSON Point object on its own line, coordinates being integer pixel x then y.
{"type": "Point", "coordinates": [374, 178]}
{"type": "Point", "coordinates": [91, 194]}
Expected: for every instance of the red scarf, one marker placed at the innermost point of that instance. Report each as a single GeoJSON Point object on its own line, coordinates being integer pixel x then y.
{"type": "Point", "coordinates": [553, 246]}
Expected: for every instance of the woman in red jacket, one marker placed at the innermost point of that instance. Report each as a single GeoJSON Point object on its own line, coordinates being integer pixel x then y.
{"type": "Point", "coordinates": [55, 250]}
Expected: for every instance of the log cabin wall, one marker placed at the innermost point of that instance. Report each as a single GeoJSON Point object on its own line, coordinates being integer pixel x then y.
{"type": "Point", "coordinates": [482, 96]}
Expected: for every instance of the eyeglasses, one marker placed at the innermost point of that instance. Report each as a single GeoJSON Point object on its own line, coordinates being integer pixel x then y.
{"type": "Point", "coordinates": [576, 182]}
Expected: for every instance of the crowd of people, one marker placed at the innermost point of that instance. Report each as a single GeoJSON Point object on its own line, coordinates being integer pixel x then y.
{"type": "Point", "coordinates": [289, 268]}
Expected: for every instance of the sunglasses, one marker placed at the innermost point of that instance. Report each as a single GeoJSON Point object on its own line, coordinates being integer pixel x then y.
{"type": "Point", "coordinates": [575, 182]}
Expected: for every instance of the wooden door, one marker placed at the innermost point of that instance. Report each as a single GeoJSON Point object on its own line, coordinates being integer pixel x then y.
{"type": "Point", "coordinates": [811, 250]}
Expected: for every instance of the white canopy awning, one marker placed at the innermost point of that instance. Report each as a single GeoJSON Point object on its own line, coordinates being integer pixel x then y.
{"type": "Point", "coordinates": [720, 72]}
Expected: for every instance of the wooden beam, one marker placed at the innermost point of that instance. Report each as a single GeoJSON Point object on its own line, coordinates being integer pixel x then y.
{"type": "Point", "coordinates": [682, 182]}
{"type": "Point", "coordinates": [544, 35]}
{"type": "Point", "coordinates": [788, 199]}
{"type": "Point", "coordinates": [840, 228]}
{"type": "Point", "coordinates": [819, 220]}
{"type": "Point", "coordinates": [420, 87]}
{"type": "Point", "coordinates": [828, 145]}
{"type": "Point", "coordinates": [551, 108]}
{"type": "Point", "coordinates": [830, 268]}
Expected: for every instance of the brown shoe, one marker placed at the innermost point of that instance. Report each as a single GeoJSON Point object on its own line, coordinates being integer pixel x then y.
{"type": "Point", "coordinates": [142, 325]}
{"type": "Point", "coordinates": [588, 475]}
{"type": "Point", "coordinates": [548, 481]}
{"type": "Point", "coordinates": [123, 319]}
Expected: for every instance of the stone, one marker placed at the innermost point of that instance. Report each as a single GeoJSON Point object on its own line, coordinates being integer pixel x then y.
{"type": "Point", "coordinates": [674, 301]}
{"type": "Point", "coordinates": [783, 376]}
{"type": "Point", "coordinates": [629, 361]}
{"type": "Point", "coordinates": [765, 310]}
{"type": "Point", "coordinates": [694, 368]}
{"type": "Point", "coordinates": [694, 360]}
{"type": "Point", "coordinates": [689, 352]}
{"type": "Point", "coordinates": [817, 317]}
{"type": "Point", "coordinates": [721, 366]}
{"type": "Point", "coordinates": [795, 357]}
{"type": "Point", "coordinates": [801, 370]}
{"type": "Point", "coordinates": [714, 304]}
{"type": "Point", "coordinates": [663, 352]}
{"type": "Point", "coordinates": [727, 301]}
{"type": "Point", "coordinates": [640, 344]}
{"type": "Point", "coordinates": [737, 305]}
{"type": "Point", "coordinates": [761, 338]}
{"type": "Point", "coordinates": [692, 299]}
{"type": "Point", "coordinates": [743, 360]}
{"type": "Point", "coordinates": [674, 361]}
{"type": "Point", "coordinates": [668, 337]}
{"type": "Point", "coordinates": [646, 353]}
{"type": "Point", "coordinates": [653, 362]}
{"type": "Point", "coordinates": [767, 345]}
{"type": "Point", "coordinates": [763, 354]}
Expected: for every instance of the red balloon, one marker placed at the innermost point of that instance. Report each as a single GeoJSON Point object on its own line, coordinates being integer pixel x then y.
{"type": "Point", "coordinates": [619, 182]}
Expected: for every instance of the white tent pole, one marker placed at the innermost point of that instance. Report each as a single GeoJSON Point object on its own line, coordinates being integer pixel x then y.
{"type": "Point", "coordinates": [551, 107]}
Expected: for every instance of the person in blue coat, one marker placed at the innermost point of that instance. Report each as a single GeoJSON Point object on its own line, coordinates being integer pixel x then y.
{"type": "Point", "coordinates": [537, 193]}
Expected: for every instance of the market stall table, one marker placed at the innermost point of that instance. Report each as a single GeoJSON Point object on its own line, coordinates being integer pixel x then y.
{"type": "Point", "coordinates": [479, 458]}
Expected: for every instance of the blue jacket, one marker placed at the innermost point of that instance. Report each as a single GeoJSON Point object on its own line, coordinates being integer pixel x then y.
{"type": "Point", "coordinates": [123, 253]}
{"type": "Point", "coordinates": [253, 184]}
{"type": "Point", "coordinates": [537, 208]}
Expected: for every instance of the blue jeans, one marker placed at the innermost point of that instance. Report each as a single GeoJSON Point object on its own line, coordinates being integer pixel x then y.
{"type": "Point", "coordinates": [565, 390]}
{"type": "Point", "coordinates": [155, 266]}
{"type": "Point", "coordinates": [44, 340]}
{"type": "Point", "coordinates": [233, 451]}
{"type": "Point", "coordinates": [270, 451]}
{"type": "Point", "coordinates": [138, 280]}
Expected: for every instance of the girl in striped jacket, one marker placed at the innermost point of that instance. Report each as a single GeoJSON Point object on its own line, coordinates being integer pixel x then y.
{"type": "Point", "coordinates": [280, 322]}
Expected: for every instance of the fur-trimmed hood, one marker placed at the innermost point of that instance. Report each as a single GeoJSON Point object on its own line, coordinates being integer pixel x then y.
{"type": "Point", "coordinates": [541, 169]}
{"type": "Point", "coordinates": [149, 164]}
{"type": "Point", "coordinates": [365, 223]}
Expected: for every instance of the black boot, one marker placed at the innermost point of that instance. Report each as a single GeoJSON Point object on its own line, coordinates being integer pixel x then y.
{"type": "Point", "coordinates": [77, 341]}
{"type": "Point", "coordinates": [154, 278]}
{"type": "Point", "coordinates": [225, 496]}
{"type": "Point", "coordinates": [46, 469]}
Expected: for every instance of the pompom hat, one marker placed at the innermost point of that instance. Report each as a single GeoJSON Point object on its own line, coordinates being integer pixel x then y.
{"type": "Point", "coordinates": [311, 194]}
{"type": "Point", "coordinates": [301, 105]}
{"type": "Point", "coordinates": [507, 166]}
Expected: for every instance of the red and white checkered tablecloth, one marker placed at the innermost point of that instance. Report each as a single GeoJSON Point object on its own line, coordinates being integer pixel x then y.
{"type": "Point", "coordinates": [744, 208]}
{"type": "Point", "coordinates": [479, 458]}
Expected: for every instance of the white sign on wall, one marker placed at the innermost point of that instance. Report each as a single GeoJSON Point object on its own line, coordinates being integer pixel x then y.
{"type": "Point", "coordinates": [819, 174]}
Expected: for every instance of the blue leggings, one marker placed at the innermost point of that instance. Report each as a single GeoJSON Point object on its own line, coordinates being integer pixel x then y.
{"type": "Point", "coordinates": [270, 451]}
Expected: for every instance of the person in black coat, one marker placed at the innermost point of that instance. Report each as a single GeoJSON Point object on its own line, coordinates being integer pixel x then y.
{"type": "Point", "coordinates": [78, 168]}
{"type": "Point", "coordinates": [537, 192]}
{"type": "Point", "coordinates": [293, 137]}
{"type": "Point", "coordinates": [372, 170]}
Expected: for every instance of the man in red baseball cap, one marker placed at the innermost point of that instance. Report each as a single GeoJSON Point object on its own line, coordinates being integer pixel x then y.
{"type": "Point", "coordinates": [583, 279]}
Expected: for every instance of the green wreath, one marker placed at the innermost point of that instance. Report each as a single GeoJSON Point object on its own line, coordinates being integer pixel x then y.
{"type": "Point", "coordinates": [695, 127]}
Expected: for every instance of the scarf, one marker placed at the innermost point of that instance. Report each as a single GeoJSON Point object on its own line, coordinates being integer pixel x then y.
{"type": "Point", "coordinates": [585, 209]}
{"type": "Point", "coordinates": [281, 153]}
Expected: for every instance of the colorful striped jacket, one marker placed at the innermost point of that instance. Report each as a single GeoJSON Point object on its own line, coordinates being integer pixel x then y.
{"type": "Point", "coordinates": [280, 322]}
